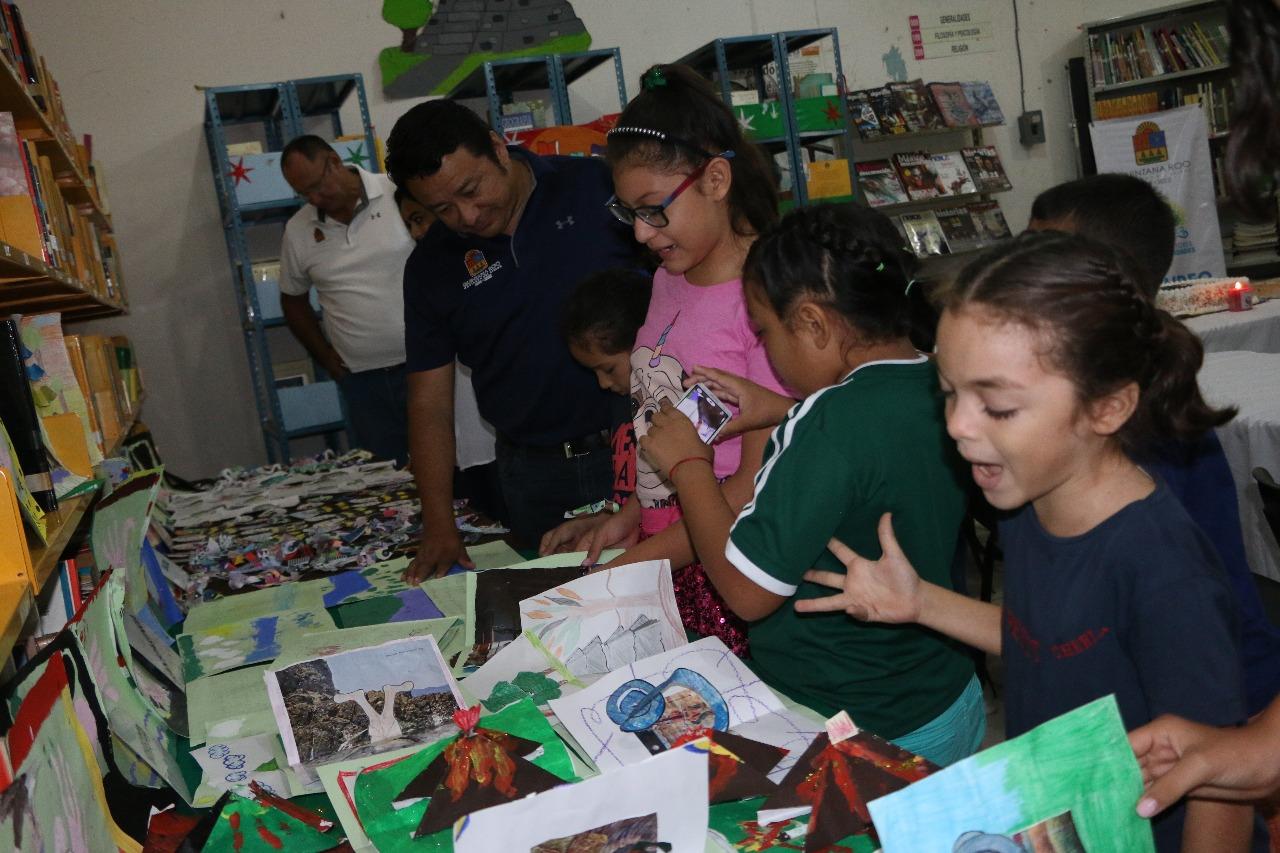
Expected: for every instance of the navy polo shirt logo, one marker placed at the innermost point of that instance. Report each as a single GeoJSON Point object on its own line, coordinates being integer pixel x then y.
{"type": "Point", "coordinates": [478, 268]}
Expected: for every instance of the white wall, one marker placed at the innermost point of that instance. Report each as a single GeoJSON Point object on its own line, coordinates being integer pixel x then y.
{"type": "Point", "coordinates": [128, 72]}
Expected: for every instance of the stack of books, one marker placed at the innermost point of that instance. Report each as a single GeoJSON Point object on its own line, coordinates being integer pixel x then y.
{"type": "Point", "coordinates": [1254, 237]}
{"type": "Point", "coordinates": [37, 218]}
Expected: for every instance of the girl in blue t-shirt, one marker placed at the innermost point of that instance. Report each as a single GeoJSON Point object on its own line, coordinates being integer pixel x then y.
{"type": "Point", "coordinates": [1055, 371]}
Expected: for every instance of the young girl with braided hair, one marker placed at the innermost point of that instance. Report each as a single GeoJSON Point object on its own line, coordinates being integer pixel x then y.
{"type": "Point", "coordinates": [696, 194]}
{"type": "Point", "coordinates": [1057, 372]}
{"type": "Point", "coordinates": [828, 293]}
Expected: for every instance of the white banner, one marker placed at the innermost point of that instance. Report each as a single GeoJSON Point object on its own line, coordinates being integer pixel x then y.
{"type": "Point", "coordinates": [1170, 151]}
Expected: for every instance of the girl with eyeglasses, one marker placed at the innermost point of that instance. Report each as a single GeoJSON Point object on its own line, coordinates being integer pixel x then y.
{"type": "Point", "coordinates": [697, 195]}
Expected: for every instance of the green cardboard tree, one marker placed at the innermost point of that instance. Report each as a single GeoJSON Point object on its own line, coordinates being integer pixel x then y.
{"type": "Point", "coordinates": [408, 16]}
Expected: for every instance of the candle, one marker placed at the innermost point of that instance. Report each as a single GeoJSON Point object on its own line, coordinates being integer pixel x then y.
{"type": "Point", "coordinates": [1240, 297]}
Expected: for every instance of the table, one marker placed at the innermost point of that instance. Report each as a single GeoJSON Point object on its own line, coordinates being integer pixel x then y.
{"type": "Point", "coordinates": [1257, 330]}
{"type": "Point", "coordinates": [1251, 382]}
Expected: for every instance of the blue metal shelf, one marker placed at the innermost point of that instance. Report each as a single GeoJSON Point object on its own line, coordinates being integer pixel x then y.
{"type": "Point", "coordinates": [722, 55]}
{"type": "Point", "coordinates": [553, 73]}
{"type": "Point", "coordinates": [278, 109]}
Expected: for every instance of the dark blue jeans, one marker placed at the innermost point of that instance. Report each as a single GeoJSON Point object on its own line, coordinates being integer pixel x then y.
{"type": "Point", "coordinates": [539, 484]}
{"type": "Point", "coordinates": [378, 409]}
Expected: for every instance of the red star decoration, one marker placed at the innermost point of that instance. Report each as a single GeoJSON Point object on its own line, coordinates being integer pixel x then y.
{"type": "Point", "coordinates": [832, 112]}
{"type": "Point", "coordinates": [240, 172]}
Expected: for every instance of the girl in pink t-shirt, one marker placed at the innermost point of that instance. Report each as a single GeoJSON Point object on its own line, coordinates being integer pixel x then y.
{"type": "Point", "coordinates": [697, 194]}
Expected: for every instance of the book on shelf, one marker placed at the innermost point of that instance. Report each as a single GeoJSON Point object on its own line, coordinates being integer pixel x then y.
{"type": "Point", "coordinates": [986, 169]}
{"type": "Point", "coordinates": [953, 105]}
{"type": "Point", "coordinates": [959, 229]}
{"type": "Point", "coordinates": [885, 105]}
{"type": "Point", "coordinates": [924, 233]}
{"type": "Point", "coordinates": [18, 412]}
{"type": "Point", "coordinates": [916, 106]}
{"type": "Point", "coordinates": [984, 103]}
{"type": "Point", "coordinates": [863, 114]}
{"type": "Point", "coordinates": [880, 183]}
{"type": "Point", "coordinates": [1145, 51]}
{"type": "Point", "coordinates": [915, 169]}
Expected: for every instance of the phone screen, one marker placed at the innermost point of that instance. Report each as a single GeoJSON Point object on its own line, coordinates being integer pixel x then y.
{"type": "Point", "coordinates": [705, 411]}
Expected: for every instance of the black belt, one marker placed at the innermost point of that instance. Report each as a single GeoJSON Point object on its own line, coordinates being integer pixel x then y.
{"type": "Point", "coordinates": [579, 446]}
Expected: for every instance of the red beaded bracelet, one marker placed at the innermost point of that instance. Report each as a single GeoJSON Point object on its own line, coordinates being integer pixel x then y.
{"type": "Point", "coordinates": [672, 473]}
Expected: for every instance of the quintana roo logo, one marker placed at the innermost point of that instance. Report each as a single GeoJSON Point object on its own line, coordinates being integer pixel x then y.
{"type": "Point", "coordinates": [1149, 144]}
{"type": "Point", "coordinates": [475, 261]}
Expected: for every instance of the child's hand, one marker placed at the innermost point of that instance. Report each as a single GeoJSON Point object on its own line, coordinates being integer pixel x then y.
{"type": "Point", "coordinates": [671, 438]}
{"type": "Point", "coordinates": [619, 530]}
{"type": "Point", "coordinates": [562, 537]}
{"type": "Point", "coordinates": [1179, 757]}
{"type": "Point", "coordinates": [758, 407]}
{"type": "Point", "coordinates": [886, 590]}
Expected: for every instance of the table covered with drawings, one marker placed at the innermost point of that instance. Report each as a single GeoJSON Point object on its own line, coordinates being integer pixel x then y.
{"type": "Point", "coordinates": [525, 706]}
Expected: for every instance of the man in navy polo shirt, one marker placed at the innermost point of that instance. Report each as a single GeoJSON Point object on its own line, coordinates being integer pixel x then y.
{"type": "Point", "coordinates": [514, 233]}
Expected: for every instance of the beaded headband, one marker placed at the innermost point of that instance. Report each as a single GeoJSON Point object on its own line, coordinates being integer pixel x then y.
{"type": "Point", "coordinates": [668, 139]}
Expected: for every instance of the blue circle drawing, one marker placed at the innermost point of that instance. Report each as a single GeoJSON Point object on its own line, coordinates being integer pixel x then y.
{"type": "Point", "coordinates": [637, 704]}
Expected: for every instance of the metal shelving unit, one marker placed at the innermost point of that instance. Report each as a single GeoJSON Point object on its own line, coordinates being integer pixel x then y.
{"type": "Point", "coordinates": [716, 59]}
{"type": "Point", "coordinates": [276, 111]}
{"type": "Point", "coordinates": [554, 73]}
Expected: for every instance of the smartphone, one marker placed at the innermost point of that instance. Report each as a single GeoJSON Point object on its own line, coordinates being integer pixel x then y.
{"type": "Point", "coordinates": [708, 414]}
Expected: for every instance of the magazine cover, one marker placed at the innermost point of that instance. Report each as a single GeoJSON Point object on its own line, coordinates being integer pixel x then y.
{"type": "Point", "coordinates": [863, 115]}
{"type": "Point", "coordinates": [916, 106]}
{"type": "Point", "coordinates": [988, 219]}
{"type": "Point", "coordinates": [953, 174]}
{"type": "Point", "coordinates": [917, 174]}
{"type": "Point", "coordinates": [984, 102]}
{"type": "Point", "coordinates": [953, 106]}
{"type": "Point", "coordinates": [986, 169]}
{"type": "Point", "coordinates": [959, 229]}
{"type": "Point", "coordinates": [885, 105]}
{"type": "Point", "coordinates": [924, 234]}
{"type": "Point", "coordinates": [880, 183]}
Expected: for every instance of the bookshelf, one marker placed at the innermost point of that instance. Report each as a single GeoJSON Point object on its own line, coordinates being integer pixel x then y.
{"type": "Point", "coordinates": [1164, 58]}
{"type": "Point", "coordinates": [28, 283]}
{"type": "Point", "coordinates": [80, 280]}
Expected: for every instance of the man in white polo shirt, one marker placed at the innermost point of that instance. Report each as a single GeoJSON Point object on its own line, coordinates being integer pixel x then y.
{"type": "Point", "coordinates": [349, 243]}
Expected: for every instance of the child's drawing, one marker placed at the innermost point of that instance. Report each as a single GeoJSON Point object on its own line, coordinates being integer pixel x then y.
{"type": "Point", "coordinates": [633, 833]}
{"type": "Point", "coordinates": [1023, 789]}
{"type": "Point", "coordinates": [701, 681]}
{"type": "Point", "coordinates": [606, 620]}
{"type": "Point", "coordinates": [661, 714]}
{"type": "Point", "coordinates": [255, 641]}
{"type": "Point", "coordinates": [522, 669]}
{"type": "Point", "coordinates": [330, 706]}
{"type": "Point", "coordinates": [658, 804]}
{"type": "Point", "coordinates": [1056, 835]}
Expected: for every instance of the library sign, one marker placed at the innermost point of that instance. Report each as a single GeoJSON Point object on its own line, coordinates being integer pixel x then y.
{"type": "Point", "coordinates": [1170, 151]}
{"type": "Point", "coordinates": [952, 30]}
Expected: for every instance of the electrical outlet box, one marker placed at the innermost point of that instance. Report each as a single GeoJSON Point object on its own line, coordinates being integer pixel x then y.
{"type": "Point", "coordinates": [1031, 127]}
